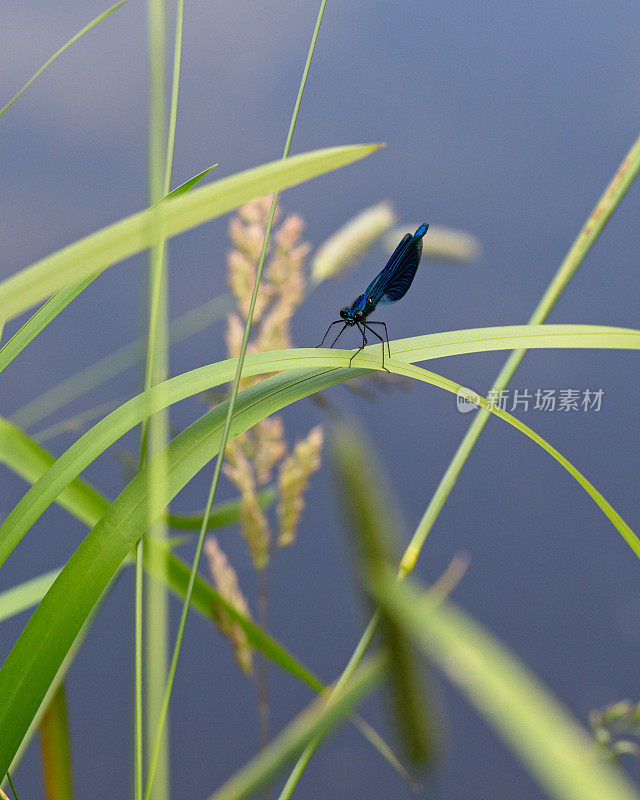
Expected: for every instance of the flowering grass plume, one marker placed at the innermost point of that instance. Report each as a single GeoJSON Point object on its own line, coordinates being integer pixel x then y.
{"type": "Point", "coordinates": [295, 472]}
{"type": "Point", "coordinates": [351, 242]}
{"type": "Point", "coordinates": [226, 581]}
{"type": "Point", "coordinates": [443, 244]}
{"type": "Point", "coordinates": [252, 458]}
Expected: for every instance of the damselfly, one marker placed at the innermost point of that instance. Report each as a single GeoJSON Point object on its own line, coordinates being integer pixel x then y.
{"type": "Point", "coordinates": [390, 285]}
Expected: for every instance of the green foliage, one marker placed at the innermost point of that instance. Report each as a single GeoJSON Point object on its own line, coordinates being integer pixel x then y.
{"type": "Point", "coordinates": [367, 505]}
{"type": "Point", "coordinates": [531, 722]}
{"type": "Point", "coordinates": [549, 742]}
{"type": "Point", "coordinates": [139, 231]}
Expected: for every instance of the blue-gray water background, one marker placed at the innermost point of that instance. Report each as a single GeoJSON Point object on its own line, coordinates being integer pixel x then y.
{"type": "Point", "coordinates": [505, 119]}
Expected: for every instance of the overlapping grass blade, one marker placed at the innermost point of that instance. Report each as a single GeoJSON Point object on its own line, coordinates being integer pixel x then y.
{"type": "Point", "coordinates": [36, 656]}
{"type": "Point", "coordinates": [549, 742]}
{"type": "Point", "coordinates": [16, 448]}
{"type": "Point", "coordinates": [88, 505]}
{"type": "Point", "coordinates": [61, 299]}
{"type": "Point", "coordinates": [30, 460]}
{"type": "Point", "coordinates": [187, 185]}
{"type": "Point", "coordinates": [26, 595]}
{"type": "Point", "coordinates": [139, 231]}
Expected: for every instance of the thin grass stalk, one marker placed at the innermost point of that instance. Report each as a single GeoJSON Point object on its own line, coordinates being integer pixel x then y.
{"type": "Point", "coordinates": [156, 362]}
{"type": "Point", "coordinates": [602, 211]}
{"type": "Point", "coordinates": [227, 427]}
{"type": "Point", "coordinates": [157, 599]}
{"type": "Point", "coordinates": [262, 668]}
{"type": "Point", "coordinates": [333, 697]}
{"type": "Point", "coordinates": [59, 52]}
{"type": "Point", "coordinates": [600, 215]}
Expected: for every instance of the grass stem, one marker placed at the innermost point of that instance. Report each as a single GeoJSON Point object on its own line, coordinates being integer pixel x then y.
{"type": "Point", "coordinates": [227, 427]}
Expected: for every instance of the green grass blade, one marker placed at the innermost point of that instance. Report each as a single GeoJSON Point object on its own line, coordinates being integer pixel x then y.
{"type": "Point", "coordinates": [222, 515]}
{"type": "Point", "coordinates": [76, 421]}
{"type": "Point", "coordinates": [555, 749]}
{"type": "Point", "coordinates": [88, 505]}
{"type": "Point", "coordinates": [28, 459]}
{"type": "Point", "coordinates": [227, 427]}
{"type": "Point", "coordinates": [46, 314]}
{"type": "Point", "coordinates": [122, 359]}
{"type": "Point", "coordinates": [16, 450]}
{"type": "Point", "coordinates": [210, 603]}
{"type": "Point", "coordinates": [13, 788]}
{"type": "Point", "coordinates": [55, 748]}
{"type": "Point", "coordinates": [57, 679]}
{"type": "Point", "coordinates": [28, 594]}
{"type": "Point", "coordinates": [43, 644]}
{"type": "Point", "coordinates": [367, 506]}
{"type": "Point", "coordinates": [71, 41]}
{"type": "Point", "coordinates": [137, 232]}
{"type": "Point", "coordinates": [604, 208]}
{"type": "Point", "coordinates": [319, 717]}
{"type": "Point", "coordinates": [184, 187]}
{"type": "Point", "coordinates": [38, 321]}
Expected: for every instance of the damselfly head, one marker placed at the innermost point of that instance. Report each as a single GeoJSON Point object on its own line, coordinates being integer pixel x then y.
{"type": "Point", "coordinates": [351, 315]}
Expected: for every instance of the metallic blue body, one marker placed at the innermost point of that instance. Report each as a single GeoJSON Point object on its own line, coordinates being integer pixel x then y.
{"type": "Point", "coordinates": [358, 310]}
{"type": "Point", "coordinates": [390, 285]}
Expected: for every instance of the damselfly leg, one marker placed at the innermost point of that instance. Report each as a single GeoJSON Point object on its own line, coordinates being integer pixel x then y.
{"type": "Point", "coordinates": [386, 332]}
{"type": "Point", "coordinates": [364, 342]}
{"type": "Point", "coordinates": [336, 322]}
{"type": "Point", "coordinates": [375, 333]}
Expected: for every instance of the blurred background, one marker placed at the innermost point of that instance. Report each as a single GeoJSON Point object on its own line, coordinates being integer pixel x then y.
{"type": "Point", "coordinates": [503, 119]}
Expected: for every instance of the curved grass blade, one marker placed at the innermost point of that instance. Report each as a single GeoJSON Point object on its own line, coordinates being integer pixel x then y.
{"type": "Point", "coordinates": [28, 459]}
{"type": "Point", "coordinates": [534, 725]}
{"type": "Point", "coordinates": [61, 50]}
{"type": "Point", "coordinates": [16, 448]}
{"type": "Point", "coordinates": [43, 644]}
{"type": "Point", "coordinates": [88, 505]}
{"type": "Point", "coordinates": [137, 232]}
